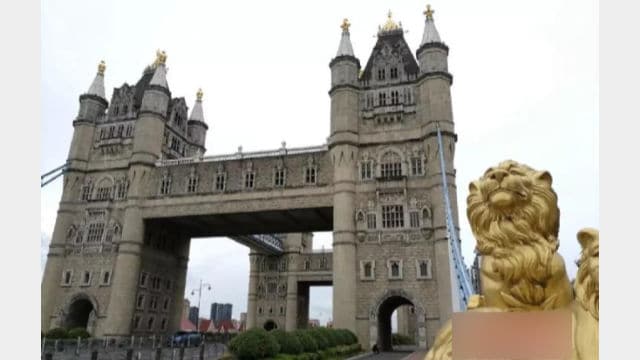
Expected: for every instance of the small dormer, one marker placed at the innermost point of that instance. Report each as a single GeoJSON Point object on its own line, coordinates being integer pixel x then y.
{"type": "Point", "coordinates": [122, 103]}
{"type": "Point", "coordinates": [178, 115]}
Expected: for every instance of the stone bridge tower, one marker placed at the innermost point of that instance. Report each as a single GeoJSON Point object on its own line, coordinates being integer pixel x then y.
{"type": "Point", "coordinates": [390, 240]}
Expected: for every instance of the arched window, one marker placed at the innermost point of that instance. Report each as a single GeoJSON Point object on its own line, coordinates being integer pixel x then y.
{"type": "Point", "coordinates": [391, 165]}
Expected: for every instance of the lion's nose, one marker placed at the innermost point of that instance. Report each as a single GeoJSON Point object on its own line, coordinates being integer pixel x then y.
{"type": "Point", "coordinates": [498, 175]}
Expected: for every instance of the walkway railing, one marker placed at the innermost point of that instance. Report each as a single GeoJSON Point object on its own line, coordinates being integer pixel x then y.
{"type": "Point", "coordinates": [269, 243]}
{"type": "Point", "coordinates": [463, 283]}
{"type": "Point", "coordinates": [241, 155]}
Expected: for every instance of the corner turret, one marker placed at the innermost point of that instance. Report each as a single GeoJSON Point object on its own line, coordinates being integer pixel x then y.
{"type": "Point", "coordinates": [147, 145]}
{"type": "Point", "coordinates": [92, 106]}
{"type": "Point", "coordinates": [197, 128]}
{"type": "Point", "coordinates": [433, 53]}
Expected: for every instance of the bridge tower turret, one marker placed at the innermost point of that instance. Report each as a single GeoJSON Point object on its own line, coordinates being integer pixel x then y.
{"type": "Point", "coordinates": [147, 148]}
{"type": "Point", "coordinates": [92, 106]}
{"type": "Point", "coordinates": [197, 127]}
{"type": "Point", "coordinates": [343, 143]}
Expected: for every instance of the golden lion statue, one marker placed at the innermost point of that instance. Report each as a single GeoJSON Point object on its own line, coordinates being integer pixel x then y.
{"type": "Point", "coordinates": [587, 291]}
{"type": "Point", "coordinates": [514, 216]}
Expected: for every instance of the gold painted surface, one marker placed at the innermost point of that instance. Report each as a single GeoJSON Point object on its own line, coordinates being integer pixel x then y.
{"type": "Point", "coordinates": [199, 94]}
{"type": "Point", "coordinates": [345, 25]}
{"type": "Point", "coordinates": [390, 24]}
{"type": "Point", "coordinates": [161, 57]}
{"type": "Point", "coordinates": [101, 67]}
{"type": "Point", "coordinates": [514, 216]}
{"type": "Point", "coordinates": [429, 12]}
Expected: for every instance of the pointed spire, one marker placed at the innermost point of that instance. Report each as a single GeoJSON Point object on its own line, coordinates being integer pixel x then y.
{"type": "Point", "coordinates": [97, 86]}
{"type": "Point", "coordinates": [345, 47]}
{"type": "Point", "coordinates": [196, 113]}
{"type": "Point", "coordinates": [160, 75]}
{"type": "Point", "coordinates": [430, 34]}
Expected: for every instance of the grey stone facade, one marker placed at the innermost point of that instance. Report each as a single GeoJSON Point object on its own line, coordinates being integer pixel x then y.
{"type": "Point", "coordinates": [138, 188]}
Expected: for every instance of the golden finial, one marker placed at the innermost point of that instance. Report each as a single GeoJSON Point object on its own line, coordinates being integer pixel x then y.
{"type": "Point", "coordinates": [429, 12]}
{"type": "Point", "coordinates": [161, 57]}
{"type": "Point", "coordinates": [101, 67]}
{"type": "Point", "coordinates": [345, 25]}
{"type": "Point", "coordinates": [199, 94]}
{"type": "Point", "coordinates": [390, 24]}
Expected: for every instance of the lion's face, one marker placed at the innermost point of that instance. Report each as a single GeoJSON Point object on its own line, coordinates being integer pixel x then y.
{"type": "Point", "coordinates": [513, 194]}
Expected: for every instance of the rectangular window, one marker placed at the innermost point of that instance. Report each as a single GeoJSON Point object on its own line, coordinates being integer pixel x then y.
{"type": "Point", "coordinates": [129, 130]}
{"type": "Point", "coordinates": [391, 170]}
{"type": "Point", "coordinates": [140, 301]}
{"type": "Point", "coordinates": [143, 279]}
{"type": "Point", "coordinates": [86, 278]}
{"type": "Point", "coordinates": [154, 303]}
{"type": "Point", "coordinates": [165, 186]}
{"type": "Point", "coordinates": [66, 277]}
{"type": "Point", "coordinates": [381, 74]}
{"type": "Point", "coordinates": [95, 232]}
{"type": "Point", "coordinates": [106, 278]}
{"type": "Point", "coordinates": [416, 166]}
{"type": "Point", "coordinates": [414, 219]}
{"type": "Point", "coordinates": [167, 284]}
{"type": "Point", "coordinates": [394, 97]}
{"type": "Point", "coordinates": [394, 73]}
{"type": "Point", "coordinates": [163, 324]}
{"type": "Point", "coordinates": [123, 187]}
{"type": "Point", "coordinates": [279, 178]}
{"type": "Point", "coordinates": [249, 180]}
{"type": "Point", "coordinates": [365, 170]}
{"type": "Point", "coordinates": [150, 323]}
{"type": "Point", "coordinates": [371, 220]}
{"type": "Point", "coordinates": [310, 175]}
{"type": "Point", "coordinates": [193, 184]}
{"type": "Point", "coordinates": [220, 182]}
{"type": "Point", "coordinates": [136, 322]}
{"type": "Point", "coordinates": [103, 193]}
{"type": "Point", "coordinates": [165, 304]}
{"type": "Point", "coordinates": [392, 216]}
{"type": "Point", "coordinates": [382, 99]}
{"type": "Point", "coordinates": [86, 192]}
{"type": "Point", "coordinates": [424, 269]}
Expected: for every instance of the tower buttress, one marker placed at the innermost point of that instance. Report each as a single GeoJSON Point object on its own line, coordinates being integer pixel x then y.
{"type": "Point", "coordinates": [344, 150]}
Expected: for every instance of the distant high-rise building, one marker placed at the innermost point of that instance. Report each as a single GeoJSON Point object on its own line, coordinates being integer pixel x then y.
{"type": "Point", "coordinates": [194, 312]}
{"type": "Point", "coordinates": [185, 308]}
{"type": "Point", "coordinates": [220, 312]}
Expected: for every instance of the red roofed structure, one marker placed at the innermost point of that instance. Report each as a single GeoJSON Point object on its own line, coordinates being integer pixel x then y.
{"type": "Point", "coordinates": [186, 325]}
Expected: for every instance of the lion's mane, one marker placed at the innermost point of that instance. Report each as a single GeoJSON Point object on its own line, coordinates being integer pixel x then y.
{"type": "Point", "coordinates": [521, 239]}
{"type": "Point", "coordinates": [587, 283]}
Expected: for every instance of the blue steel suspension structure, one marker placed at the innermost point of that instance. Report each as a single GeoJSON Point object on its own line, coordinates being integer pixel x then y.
{"type": "Point", "coordinates": [464, 286]}
{"type": "Point", "coordinates": [52, 175]}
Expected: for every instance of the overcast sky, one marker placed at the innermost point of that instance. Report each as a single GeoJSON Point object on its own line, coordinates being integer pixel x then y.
{"type": "Point", "coordinates": [525, 87]}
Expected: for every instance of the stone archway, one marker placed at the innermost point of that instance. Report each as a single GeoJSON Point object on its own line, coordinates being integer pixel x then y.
{"type": "Point", "coordinates": [270, 325]}
{"type": "Point", "coordinates": [81, 312]}
{"type": "Point", "coordinates": [78, 315]}
{"type": "Point", "coordinates": [380, 318]}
